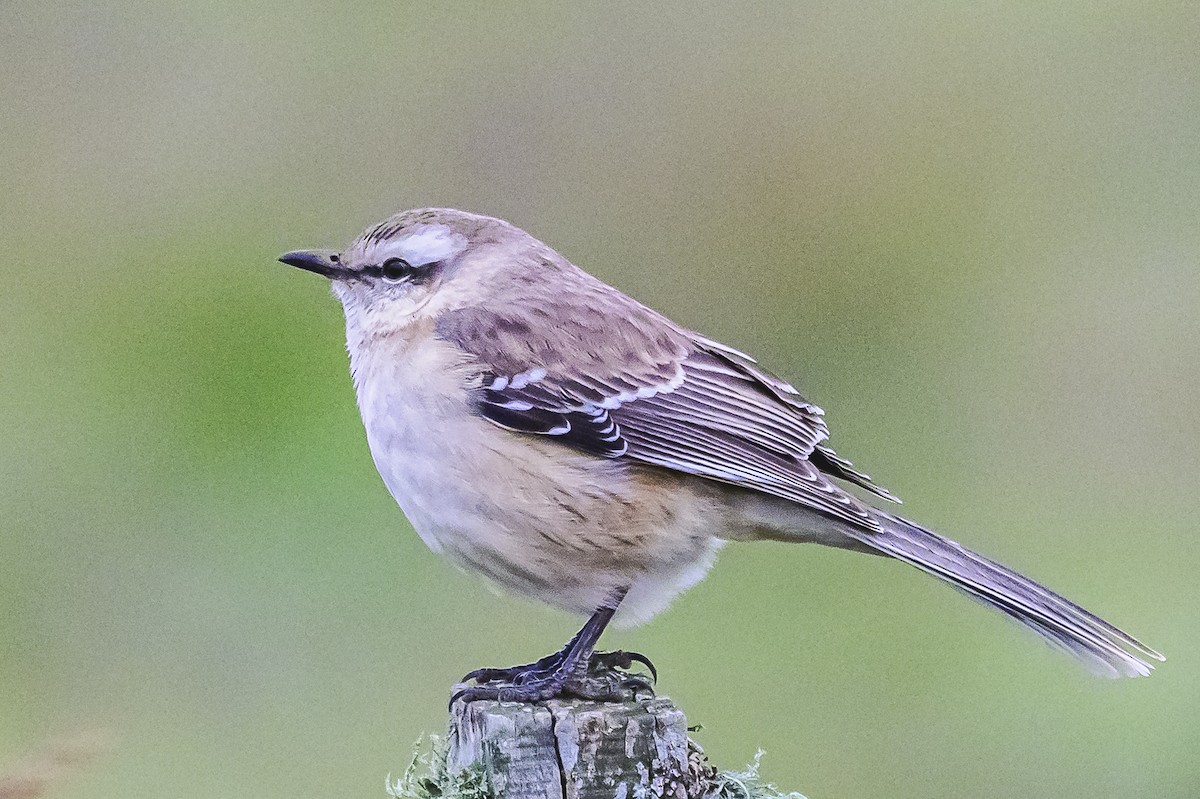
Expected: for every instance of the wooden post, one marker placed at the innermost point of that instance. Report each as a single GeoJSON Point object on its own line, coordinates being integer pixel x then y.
{"type": "Point", "coordinates": [574, 749]}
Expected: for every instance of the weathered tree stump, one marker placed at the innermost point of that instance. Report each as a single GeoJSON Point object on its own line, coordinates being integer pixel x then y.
{"type": "Point", "coordinates": [574, 749]}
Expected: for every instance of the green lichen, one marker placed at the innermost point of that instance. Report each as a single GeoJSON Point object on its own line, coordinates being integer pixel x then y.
{"type": "Point", "coordinates": [746, 784]}
{"type": "Point", "coordinates": [427, 777]}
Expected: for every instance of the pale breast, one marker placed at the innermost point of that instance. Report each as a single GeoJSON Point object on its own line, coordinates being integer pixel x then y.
{"type": "Point", "coordinates": [532, 515]}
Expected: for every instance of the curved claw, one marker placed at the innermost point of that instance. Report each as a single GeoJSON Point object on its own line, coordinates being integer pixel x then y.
{"type": "Point", "coordinates": [637, 683]}
{"type": "Point", "coordinates": [485, 675]}
{"type": "Point", "coordinates": [620, 659]}
{"type": "Point", "coordinates": [638, 657]}
{"type": "Point", "coordinates": [457, 695]}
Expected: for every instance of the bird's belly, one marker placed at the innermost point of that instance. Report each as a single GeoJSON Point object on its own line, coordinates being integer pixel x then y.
{"type": "Point", "coordinates": [544, 521]}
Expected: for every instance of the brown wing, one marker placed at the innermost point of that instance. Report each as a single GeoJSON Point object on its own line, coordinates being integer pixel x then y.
{"type": "Point", "coordinates": [608, 376]}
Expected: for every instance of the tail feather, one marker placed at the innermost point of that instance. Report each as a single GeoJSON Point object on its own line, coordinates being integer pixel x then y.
{"type": "Point", "coordinates": [1100, 646]}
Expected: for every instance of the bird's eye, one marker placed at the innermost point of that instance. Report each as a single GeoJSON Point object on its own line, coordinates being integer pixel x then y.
{"type": "Point", "coordinates": [395, 269]}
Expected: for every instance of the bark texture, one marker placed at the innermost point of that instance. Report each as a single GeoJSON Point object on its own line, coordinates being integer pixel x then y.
{"type": "Point", "coordinates": [574, 749]}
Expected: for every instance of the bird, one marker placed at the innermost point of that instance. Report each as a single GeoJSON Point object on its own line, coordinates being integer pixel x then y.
{"type": "Point", "coordinates": [570, 444]}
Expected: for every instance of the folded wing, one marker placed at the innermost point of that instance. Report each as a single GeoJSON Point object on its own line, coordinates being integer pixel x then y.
{"type": "Point", "coordinates": [660, 396]}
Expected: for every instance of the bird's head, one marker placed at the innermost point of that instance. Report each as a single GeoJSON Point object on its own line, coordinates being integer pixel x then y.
{"type": "Point", "coordinates": [416, 264]}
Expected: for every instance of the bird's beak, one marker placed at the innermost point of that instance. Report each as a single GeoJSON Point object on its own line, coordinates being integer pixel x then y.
{"type": "Point", "coordinates": [323, 262]}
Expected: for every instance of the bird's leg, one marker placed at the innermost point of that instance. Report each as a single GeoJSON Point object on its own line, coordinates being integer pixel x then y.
{"type": "Point", "coordinates": [519, 674]}
{"type": "Point", "coordinates": [576, 670]}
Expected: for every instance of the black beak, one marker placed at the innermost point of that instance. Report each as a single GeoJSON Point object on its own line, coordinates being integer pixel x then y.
{"type": "Point", "coordinates": [324, 262]}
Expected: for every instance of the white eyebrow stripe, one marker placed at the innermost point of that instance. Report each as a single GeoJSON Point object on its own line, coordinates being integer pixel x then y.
{"type": "Point", "coordinates": [428, 244]}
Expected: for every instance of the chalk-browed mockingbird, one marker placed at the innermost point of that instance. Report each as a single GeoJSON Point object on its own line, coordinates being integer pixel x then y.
{"type": "Point", "coordinates": [545, 430]}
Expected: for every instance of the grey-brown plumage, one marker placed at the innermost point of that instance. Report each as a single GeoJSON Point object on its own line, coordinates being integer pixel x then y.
{"type": "Point", "coordinates": [615, 379]}
{"type": "Point", "coordinates": [574, 445]}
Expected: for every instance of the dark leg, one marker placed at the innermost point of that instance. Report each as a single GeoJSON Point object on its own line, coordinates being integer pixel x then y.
{"type": "Point", "coordinates": [520, 674]}
{"type": "Point", "coordinates": [576, 670]}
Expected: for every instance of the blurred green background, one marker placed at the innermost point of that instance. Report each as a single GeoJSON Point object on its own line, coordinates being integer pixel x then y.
{"type": "Point", "coordinates": [969, 231]}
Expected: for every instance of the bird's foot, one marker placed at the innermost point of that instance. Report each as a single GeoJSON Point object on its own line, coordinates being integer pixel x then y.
{"type": "Point", "coordinates": [619, 661]}
{"type": "Point", "coordinates": [517, 675]}
{"type": "Point", "coordinates": [605, 677]}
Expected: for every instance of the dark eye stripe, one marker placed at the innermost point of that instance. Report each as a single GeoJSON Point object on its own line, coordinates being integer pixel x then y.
{"type": "Point", "coordinates": [411, 272]}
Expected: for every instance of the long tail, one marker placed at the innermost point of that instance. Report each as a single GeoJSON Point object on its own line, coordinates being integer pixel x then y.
{"type": "Point", "coordinates": [1101, 647]}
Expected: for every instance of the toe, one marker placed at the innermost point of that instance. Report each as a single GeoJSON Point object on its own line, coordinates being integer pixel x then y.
{"type": "Point", "coordinates": [638, 657]}
{"type": "Point", "coordinates": [484, 675]}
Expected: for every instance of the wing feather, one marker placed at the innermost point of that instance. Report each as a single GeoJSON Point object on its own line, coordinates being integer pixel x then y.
{"type": "Point", "coordinates": [662, 396]}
